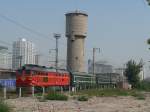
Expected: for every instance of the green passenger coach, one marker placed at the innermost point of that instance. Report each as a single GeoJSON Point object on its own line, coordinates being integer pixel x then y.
{"type": "Point", "coordinates": [82, 80]}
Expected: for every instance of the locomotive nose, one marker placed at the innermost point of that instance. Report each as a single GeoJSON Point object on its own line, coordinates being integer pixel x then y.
{"type": "Point", "coordinates": [23, 78]}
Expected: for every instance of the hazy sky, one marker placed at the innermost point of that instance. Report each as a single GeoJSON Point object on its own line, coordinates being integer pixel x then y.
{"type": "Point", "coordinates": [119, 27]}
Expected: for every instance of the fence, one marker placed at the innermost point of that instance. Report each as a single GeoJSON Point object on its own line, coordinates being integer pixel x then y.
{"type": "Point", "coordinates": [8, 83]}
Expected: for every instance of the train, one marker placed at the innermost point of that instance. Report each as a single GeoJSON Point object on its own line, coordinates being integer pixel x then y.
{"type": "Point", "coordinates": [35, 75]}
{"type": "Point", "coordinates": [41, 76]}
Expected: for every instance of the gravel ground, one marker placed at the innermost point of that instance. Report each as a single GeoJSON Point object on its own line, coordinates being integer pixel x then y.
{"type": "Point", "coordinates": [95, 104]}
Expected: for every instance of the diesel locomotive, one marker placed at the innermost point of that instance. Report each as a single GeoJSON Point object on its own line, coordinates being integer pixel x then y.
{"type": "Point", "coordinates": [35, 75]}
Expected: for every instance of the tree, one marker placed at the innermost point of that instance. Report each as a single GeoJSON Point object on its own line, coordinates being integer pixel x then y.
{"type": "Point", "coordinates": [148, 1]}
{"type": "Point", "coordinates": [148, 41]}
{"type": "Point", "coordinates": [132, 72]}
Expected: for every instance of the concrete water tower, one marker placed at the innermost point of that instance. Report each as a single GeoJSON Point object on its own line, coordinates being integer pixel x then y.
{"type": "Point", "coordinates": [76, 32]}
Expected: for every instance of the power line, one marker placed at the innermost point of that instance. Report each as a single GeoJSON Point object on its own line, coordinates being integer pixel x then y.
{"type": "Point", "coordinates": [6, 43]}
{"type": "Point", "coordinates": [26, 28]}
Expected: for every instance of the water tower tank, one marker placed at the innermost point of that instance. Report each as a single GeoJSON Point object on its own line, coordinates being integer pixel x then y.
{"type": "Point", "coordinates": [76, 32]}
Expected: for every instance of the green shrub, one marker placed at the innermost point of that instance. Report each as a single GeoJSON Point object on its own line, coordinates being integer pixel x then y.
{"type": "Point", "coordinates": [83, 98]}
{"type": "Point", "coordinates": [71, 94]}
{"type": "Point", "coordinates": [56, 96]}
{"type": "Point", "coordinates": [139, 96]}
{"type": "Point", "coordinates": [144, 86]}
{"type": "Point", "coordinates": [106, 92]}
{"type": "Point", "coordinates": [4, 107]}
{"type": "Point", "coordinates": [38, 94]}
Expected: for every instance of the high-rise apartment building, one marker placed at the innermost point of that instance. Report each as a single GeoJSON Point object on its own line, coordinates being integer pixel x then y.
{"type": "Point", "coordinates": [5, 58]}
{"type": "Point", "coordinates": [24, 52]}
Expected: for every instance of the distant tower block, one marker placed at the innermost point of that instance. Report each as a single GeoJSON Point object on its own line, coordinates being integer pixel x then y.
{"type": "Point", "coordinates": [76, 32]}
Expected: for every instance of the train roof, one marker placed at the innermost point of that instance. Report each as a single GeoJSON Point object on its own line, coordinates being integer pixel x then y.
{"type": "Point", "coordinates": [42, 68]}
{"type": "Point", "coordinates": [81, 73]}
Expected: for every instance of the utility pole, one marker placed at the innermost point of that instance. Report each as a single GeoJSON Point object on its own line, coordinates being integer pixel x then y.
{"type": "Point", "coordinates": [94, 50]}
{"type": "Point", "coordinates": [56, 36]}
{"type": "Point", "coordinates": [53, 61]}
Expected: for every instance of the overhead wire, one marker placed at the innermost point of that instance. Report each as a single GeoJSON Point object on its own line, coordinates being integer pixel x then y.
{"type": "Point", "coordinates": [41, 35]}
{"type": "Point", "coordinates": [6, 43]}
{"type": "Point", "coordinates": [26, 28]}
{"type": "Point", "coordinates": [22, 26]}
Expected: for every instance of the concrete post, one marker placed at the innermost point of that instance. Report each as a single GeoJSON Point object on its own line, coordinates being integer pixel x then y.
{"type": "Point", "coordinates": [20, 94]}
{"type": "Point", "coordinates": [43, 91]}
{"type": "Point", "coordinates": [69, 89]}
{"type": "Point", "coordinates": [61, 89]}
{"type": "Point", "coordinates": [5, 93]}
{"type": "Point", "coordinates": [33, 91]}
{"type": "Point", "coordinates": [73, 89]}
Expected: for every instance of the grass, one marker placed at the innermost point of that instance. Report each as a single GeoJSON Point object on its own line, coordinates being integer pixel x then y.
{"type": "Point", "coordinates": [106, 92]}
{"type": "Point", "coordinates": [83, 98]}
{"type": "Point", "coordinates": [111, 93]}
{"type": "Point", "coordinates": [144, 86]}
{"type": "Point", "coordinates": [41, 99]}
{"type": "Point", "coordinates": [56, 96]}
{"type": "Point", "coordinates": [38, 94]}
{"type": "Point", "coordinates": [139, 96]}
{"type": "Point", "coordinates": [4, 107]}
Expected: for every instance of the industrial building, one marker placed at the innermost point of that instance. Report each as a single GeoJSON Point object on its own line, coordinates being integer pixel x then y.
{"type": "Point", "coordinates": [100, 67]}
{"type": "Point", "coordinates": [76, 32]}
{"type": "Point", "coordinates": [5, 58]}
{"type": "Point", "coordinates": [108, 78]}
{"type": "Point", "coordinates": [24, 52]}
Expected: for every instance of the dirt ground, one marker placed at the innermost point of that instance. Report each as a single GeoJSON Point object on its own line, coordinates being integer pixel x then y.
{"type": "Point", "coordinates": [95, 104]}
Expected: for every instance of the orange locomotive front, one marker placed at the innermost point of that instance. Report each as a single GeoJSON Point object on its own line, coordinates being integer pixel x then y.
{"type": "Point", "coordinates": [34, 75]}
